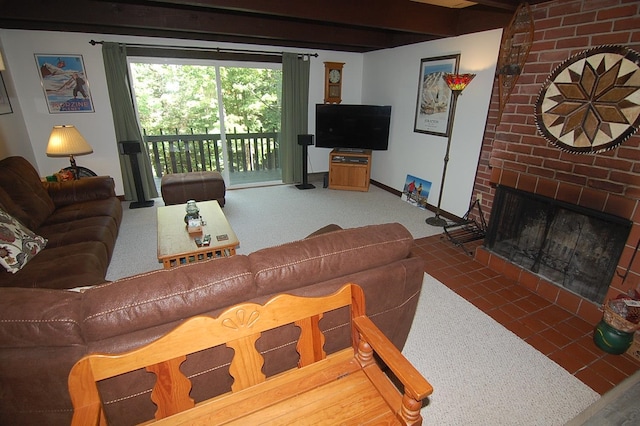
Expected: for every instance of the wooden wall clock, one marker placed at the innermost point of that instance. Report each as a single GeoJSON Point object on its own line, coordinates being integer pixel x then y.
{"type": "Point", "coordinates": [333, 82]}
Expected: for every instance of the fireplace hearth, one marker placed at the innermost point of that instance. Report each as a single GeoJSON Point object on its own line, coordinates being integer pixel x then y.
{"type": "Point", "coordinates": [571, 246]}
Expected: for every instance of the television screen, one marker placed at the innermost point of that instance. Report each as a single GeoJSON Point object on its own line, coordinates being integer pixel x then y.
{"type": "Point", "coordinates": [354, 127]}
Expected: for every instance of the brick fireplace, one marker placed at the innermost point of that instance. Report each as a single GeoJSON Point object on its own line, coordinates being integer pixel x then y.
{"type": "Point", "coordinates": [514, 155]}
{"type": "Point", "coordinates": [573, 247]}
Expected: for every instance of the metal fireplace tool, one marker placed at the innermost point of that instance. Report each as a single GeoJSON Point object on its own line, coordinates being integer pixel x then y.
{"type": "Point", "coordinates": [467, 229]}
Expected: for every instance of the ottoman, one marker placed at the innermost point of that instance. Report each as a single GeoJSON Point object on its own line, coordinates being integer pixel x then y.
{"type": "Point", "coordinates": [178, 188]}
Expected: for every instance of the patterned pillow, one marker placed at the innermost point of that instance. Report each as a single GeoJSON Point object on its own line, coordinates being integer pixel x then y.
{"type": "Point", "coordinates": [17, 243]}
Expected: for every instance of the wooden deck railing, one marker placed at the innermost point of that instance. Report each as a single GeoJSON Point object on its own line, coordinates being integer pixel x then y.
{"type": "Point", "coordinates": [176, 153]}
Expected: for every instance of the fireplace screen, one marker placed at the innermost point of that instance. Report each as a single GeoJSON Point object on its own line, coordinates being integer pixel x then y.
{"type": "Point", "coordinates": [568, 245]}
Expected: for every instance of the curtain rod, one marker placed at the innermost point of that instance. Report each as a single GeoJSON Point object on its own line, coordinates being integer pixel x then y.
{"type": "Point", "coordinates": [207, 49]}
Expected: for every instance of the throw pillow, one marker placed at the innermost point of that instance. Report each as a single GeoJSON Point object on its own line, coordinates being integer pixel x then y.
{"type": "Point", "coordinates": [18, 244]}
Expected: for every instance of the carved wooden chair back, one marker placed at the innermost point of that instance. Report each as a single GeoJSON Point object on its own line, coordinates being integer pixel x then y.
{"type": "Point", "coordinates": [238, 327]}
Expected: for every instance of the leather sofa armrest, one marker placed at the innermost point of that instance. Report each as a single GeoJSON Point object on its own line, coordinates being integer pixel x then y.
{"type": "Point", "coordinates": [85, 189]}
{"type": "Point", "coordinates": [36, 317]}
{"type": "Point", "coordinates": [325, 229]}
{"type": "Point", "coordinates": [329, 255]}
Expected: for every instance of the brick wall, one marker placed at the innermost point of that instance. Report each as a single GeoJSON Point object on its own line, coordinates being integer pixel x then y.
{"type": "Point", "coordinates": [516, 155]}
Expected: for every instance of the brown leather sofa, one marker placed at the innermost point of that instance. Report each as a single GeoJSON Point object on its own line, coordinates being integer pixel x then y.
{"type": "Point", "coordinates": [44, 332]}
{"type": "Point", "coordinates": [80, 219]}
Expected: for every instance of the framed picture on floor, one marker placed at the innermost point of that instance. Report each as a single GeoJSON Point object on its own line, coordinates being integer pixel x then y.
{"type": "Point", "coordinates": [65, 84]}
{"type": "Point", "coordinates": [5, 105]}
{"type": "Point", "coordinates": [416, 191]}
{"type": "Point", "coordinates": [433, 106]}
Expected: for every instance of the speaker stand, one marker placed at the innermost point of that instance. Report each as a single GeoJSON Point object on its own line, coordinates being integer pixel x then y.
{"type": "Point", "coordinates": [142, 202]}
{"type": "Point", "coordinates": [305, 179]}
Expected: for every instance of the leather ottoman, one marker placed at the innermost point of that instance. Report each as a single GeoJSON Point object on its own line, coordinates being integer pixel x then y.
{"type": "Point", "coordinates": [178, 188]}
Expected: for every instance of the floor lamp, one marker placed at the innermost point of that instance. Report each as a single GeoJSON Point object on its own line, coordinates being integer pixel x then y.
{"type": "Point", "coordinates": [457, 83]}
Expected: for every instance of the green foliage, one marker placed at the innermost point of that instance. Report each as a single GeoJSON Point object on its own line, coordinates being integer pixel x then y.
{"type": "Point", "coordinates": [184, 98]}
{"type": "Point", "coordinates": [251, 98]}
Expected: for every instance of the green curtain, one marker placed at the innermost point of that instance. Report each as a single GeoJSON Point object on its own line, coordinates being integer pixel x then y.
{"type": "Point", "coordinates": [295, 108]}
{"type": "Point", "coordinates": [125, 121]}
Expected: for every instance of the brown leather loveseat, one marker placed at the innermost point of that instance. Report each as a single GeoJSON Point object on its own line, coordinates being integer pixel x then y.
{"type": "Point", "coordinates": [44, 332]}
{"type": "Point", "coordinates": [80, 220]}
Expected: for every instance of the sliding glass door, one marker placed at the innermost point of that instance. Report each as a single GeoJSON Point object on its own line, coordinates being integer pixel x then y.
{"type": "Point", "coordinates": [209, 115]}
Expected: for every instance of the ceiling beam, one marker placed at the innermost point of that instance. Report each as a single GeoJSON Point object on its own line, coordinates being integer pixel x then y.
{"type": "Point", "coordinates": [510, 5]}
{"type": "Point", "coordinates": [398, 15]}
{"type": "Point", "coordinates": [141, 18]}
{"type": "Point", "coordinates": [481, 20]}
{"type": "Point", "coordinates": [355, 26]}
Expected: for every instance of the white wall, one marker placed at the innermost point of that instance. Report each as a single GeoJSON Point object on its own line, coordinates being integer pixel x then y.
{"type": "Point", "coordinates": [391, 77]}
{"type": "Point", "coordinates": [13, 132]}
{"type": "Point", "coordinates": [29, 136]}
{"type": "Point", "coordinates": [19, 49]}
{"type": "Point", "coordinates": [385, 77]}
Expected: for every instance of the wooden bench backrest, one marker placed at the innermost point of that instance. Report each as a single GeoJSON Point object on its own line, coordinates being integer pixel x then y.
{"type": "Point", "coordinates": [238, 327]}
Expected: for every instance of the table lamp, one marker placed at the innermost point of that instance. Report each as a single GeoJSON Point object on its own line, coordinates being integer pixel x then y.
{"type": "Point", "coordinates": [66, 140]}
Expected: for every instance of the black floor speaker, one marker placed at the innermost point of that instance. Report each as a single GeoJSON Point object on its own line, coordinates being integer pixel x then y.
{"type": "Point", "coordinates": [132, 149]}
{"type": "Point", "coordinates": [305, 141]}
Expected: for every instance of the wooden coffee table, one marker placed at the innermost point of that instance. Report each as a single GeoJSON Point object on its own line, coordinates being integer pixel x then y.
{"type": "Point", "coordinates": [177, 247]}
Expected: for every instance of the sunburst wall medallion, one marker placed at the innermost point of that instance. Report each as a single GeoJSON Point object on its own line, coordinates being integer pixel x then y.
{"type": "Point", "coordinates": [591, 102]}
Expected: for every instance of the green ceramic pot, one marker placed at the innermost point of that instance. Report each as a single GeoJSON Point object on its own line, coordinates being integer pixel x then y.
{"type": "Point", "coordinates": [611, 340]}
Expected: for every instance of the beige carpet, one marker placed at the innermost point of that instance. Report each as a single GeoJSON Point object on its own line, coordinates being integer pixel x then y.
{"type": "Point", "coordinates": [482, 373]}
{"type": "Point", "coordinates": [268, 216]}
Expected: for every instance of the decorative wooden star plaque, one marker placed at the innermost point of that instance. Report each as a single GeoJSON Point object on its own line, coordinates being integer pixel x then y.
{"type": "Point", "coordinates": [591, 102]}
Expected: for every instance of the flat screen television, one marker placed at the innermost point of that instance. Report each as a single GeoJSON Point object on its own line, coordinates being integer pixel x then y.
{"type": "Point", "coordinates": [353, 127]}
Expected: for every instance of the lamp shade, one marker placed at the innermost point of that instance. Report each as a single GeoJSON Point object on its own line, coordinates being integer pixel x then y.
{"type": "Point", "coordinates": [1, 63]}
{"type": "Point", "coordinates": [66, 140]}
{"type": "Point", "coordinates": [457, 82]}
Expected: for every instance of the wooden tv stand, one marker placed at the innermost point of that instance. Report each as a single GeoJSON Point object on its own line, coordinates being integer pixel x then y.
{"type": "Point", "coordinates": [350, 170]}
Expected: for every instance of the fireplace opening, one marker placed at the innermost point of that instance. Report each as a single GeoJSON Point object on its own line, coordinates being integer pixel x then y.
{"type": "Point", "coordinates": [571, 246]}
